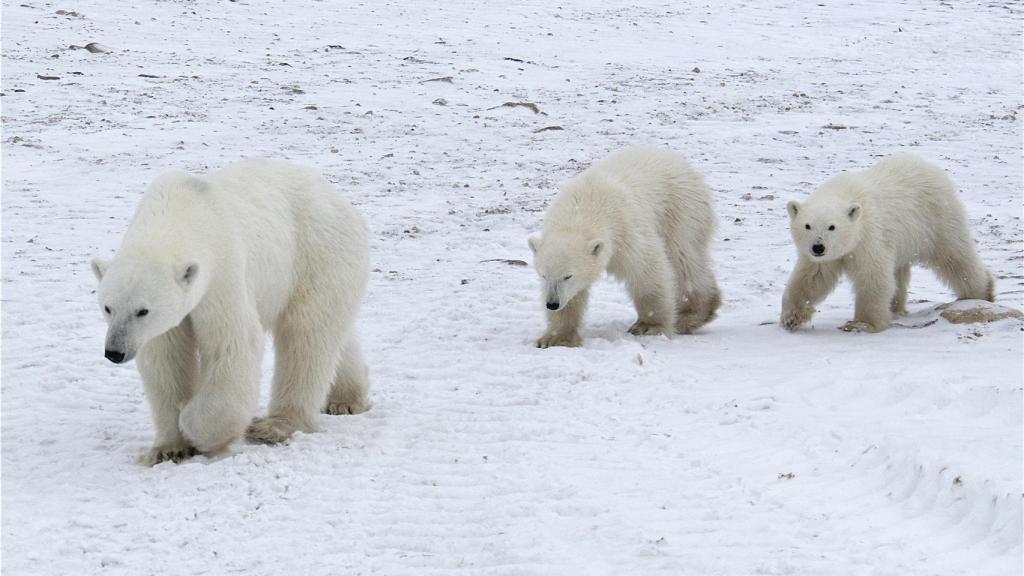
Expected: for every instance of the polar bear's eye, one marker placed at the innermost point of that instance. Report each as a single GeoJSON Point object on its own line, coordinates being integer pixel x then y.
{"type": "Point", "coordinates": [142, 312]}
{"type": "Point", "coordinates": [569, 277]}
{"type": "Point", "coordinates": [808, 226]}
{"type": "Point", "coordinates": [832, 227]}
{"type": "Point", "coordinates": [106, 309]}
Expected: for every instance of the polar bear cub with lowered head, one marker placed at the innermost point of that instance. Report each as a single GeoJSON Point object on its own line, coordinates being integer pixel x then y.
{"type": "Point", "coordinates": [645, 216]}
{"type": "Point", "coordinates": [873, 225]}
{"type": "Point", "coordinates": [209, 263]}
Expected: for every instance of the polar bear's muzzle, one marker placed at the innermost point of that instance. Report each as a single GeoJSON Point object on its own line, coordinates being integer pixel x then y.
{"type": "Point", "coordinates": [553, 301]}
{"type": "Point", "coordinates": [818, 249]}
{"type": "Point", "coordinates": [117, 355]}
{"type": "Point", "coordinates": [116, 349]}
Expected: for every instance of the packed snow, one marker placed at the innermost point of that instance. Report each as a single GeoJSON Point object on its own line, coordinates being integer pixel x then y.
{"type": "Point", "coordinates": [742, 449]}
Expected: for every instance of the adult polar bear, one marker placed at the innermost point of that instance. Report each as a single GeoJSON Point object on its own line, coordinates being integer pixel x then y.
{"type": "Point", "coordinates": [206, 266]}
{"type": "Point", "coordinates": [873, 225]}
{"type": "Point", "coordinates": [645, 216]}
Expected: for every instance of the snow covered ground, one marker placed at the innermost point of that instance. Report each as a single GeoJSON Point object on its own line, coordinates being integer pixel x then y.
{"type": "Point", "coordinates": [740, 450]}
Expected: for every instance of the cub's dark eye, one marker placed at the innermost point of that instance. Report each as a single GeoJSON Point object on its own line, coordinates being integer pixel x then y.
{"type": "Point", "coordinates": [832, 227]}
{"type": "Point", "coordinates": [106, 309]}
{"type": "Point", "coordinates": [142, 312]}
{"type": "Point", "coordinates": [569, 277]}
{"type": "Point", "coordinates": [808, 226]}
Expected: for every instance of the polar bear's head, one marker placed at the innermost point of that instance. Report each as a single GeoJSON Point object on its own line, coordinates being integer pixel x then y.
{"type": "Point", "coordinates": [142, 299]}
{"type": "Point", "coordinates": [567, 263]}
{"type": "Point", "coordinates": [824, 231]}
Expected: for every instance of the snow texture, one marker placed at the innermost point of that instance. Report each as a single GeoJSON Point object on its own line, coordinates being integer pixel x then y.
{"type": "Point", "coordinates": [739, 450]}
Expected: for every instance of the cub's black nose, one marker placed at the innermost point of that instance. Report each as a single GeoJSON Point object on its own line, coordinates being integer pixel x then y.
{"type": "Point", "coordinates": [552, 305]}
{"type": "Point", "coordinates": [114, 356]}
{"type": "Point", "coordinates": [818, 249]}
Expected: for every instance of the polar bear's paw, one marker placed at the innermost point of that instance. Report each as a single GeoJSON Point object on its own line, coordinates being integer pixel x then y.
{"type": "Point", "coordinates": [176, 453]}
{"type": "Point", "coordinates": [793, 318]}
{"type": "Point", "coordinates": [641, 328]}
{"type": "Point", "coordinates": [343, 408]}
{"type": "Point", "coordinates": [855, 326]}
{"type": "Point", "coordinates": [861, 326]}
{"type": "Point", "coordinates": [689, 323]}
{"type": "Point", "coordinates": [568, 340]}
{"type": "Point", "coordinates": [270, 430]}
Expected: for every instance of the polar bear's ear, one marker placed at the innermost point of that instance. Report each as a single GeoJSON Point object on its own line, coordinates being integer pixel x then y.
{"type": "Point", "coordinates": [595, 246]}
{"type": "Point", "coordinates": [187, 275]}
{"type": "Point", "coordinates": [99, 267]}
{"type": "Point", "coordinates": [853, 211]}
{"type": "Point", "coordinates": [534, 242]}
{"type": "Point", "coordinates": [793, 207]}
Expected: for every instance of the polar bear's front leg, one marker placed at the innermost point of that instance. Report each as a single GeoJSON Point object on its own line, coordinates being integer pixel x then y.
{"type": "Point", "coordinates": [875, 283]}
{"type": "Point", "coordinates": [808, 285]}
{"type": "Point", "coordinates": [309, 341]}
{"type": "Point", "coordinates": [651, 283]}
{"type": "Point", "coordinates": [170, 373]}
{"type": "Point", "coordinates": [228, 384]}
{"type": "Point", "coordinates": [899, 300]}
{"type": "Point", "coordinates": [564, 325]}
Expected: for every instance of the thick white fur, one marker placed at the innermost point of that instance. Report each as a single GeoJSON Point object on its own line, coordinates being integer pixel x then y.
{"type": "Point", "coordinates": [645, 216]}
{"type": "Point", "coordinates": [217, 261]}
{"type": "Point", "coordinates": [902, 211]}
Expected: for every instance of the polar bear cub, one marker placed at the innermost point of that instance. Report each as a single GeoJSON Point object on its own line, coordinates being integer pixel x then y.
{"type": "Point", "coordinates": [208, 264]}
{"type": "Point", "coordinates": [873, 225]}
{"type": "Point", "coordinates": [645, 216]}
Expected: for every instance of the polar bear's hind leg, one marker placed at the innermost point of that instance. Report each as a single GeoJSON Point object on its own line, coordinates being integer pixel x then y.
{"type": "Point", "coordinates": [307, 342]}
{"type": "Point", "coordinates": [349, 393]}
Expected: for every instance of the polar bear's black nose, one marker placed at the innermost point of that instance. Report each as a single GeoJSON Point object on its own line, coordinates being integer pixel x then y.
{"type": "Point", "coordinates": [114, 356]}
{"type": "Point", "coordinates": [552, 305]}
{"type": "Point", "coordinates": [818, 249]}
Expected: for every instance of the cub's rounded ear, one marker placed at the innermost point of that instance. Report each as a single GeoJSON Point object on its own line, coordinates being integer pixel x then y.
{"type": "Point", "coordinates": [594, 247]}
{"type": "Point", "coordinates": [853, 211]}
{"type": "Point", "coordinates": [188, 273]}
{"type": "Point", "coordinates": [534, 242]}
{"type": "Point", "coordinates": [793, 207]}
{"type": "Point", "coordinates": [99, 267]}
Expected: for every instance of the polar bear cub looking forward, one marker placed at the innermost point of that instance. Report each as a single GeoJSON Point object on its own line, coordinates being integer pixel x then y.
{"type": "Point", "coordinates": [873, 225]}
{"type": "Point", "coordinates": [645, 216]}
{"type": "Point", "coordinates": [207, 265]}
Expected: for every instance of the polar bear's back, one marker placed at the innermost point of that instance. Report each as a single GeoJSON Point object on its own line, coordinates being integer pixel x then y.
{"type": "Point", "coordinates": [275, 184]}
{"type": "Point", "coordinates": [664, 187]}
{"type": "Point", "coordinates": [295, 227]}
{"type": "Point", "coordinates": [909, 193]}
{"type": "Point", "coordinates": [919, 206]}
{"type": "Point", "coordinates": [654, 174]}
{"type": "Point", "coordinates": [286, 204]}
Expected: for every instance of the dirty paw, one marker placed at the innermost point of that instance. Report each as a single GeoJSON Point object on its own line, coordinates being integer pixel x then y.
{"type": "Point", "coordinates": [343, 408]}
{"type": "Point", "coordinates": [690, 323]}
{"type": "Point", "coordinates": [569, 340]}
{"type": "Point", "coordinates": [176, 454]}
{"type": "Point", "coordinates": [270, 430]}
{"type": "Point", "coordinates": [794, 318]}
{"type": "Point", "coordinates": [860, 326]}
{"type": "Point", "coordinates": [648, 329]}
